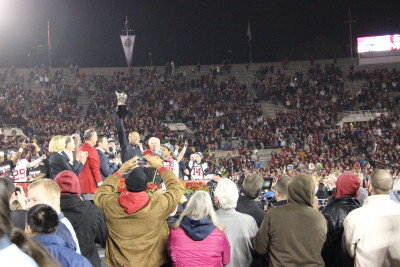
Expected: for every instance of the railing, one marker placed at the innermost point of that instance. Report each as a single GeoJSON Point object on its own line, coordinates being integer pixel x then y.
{"type": "Point", "coordinates": [8, 126]}
{"type": "Point", "coordinates": [362, 112]}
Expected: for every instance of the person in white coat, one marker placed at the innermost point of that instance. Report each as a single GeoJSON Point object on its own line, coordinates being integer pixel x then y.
{"type": "Point", "coordinates": [372, 232]}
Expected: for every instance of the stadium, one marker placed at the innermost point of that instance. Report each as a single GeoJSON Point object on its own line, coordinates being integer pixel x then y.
{"type": "Point", "coordinates": [288, 156]}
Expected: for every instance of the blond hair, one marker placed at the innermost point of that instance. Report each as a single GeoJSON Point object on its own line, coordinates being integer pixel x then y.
{"type": "Point", "coordinates": [57, 144]}
{"type": "Point", "coordinates": [51, 188]}
{"type": "Point", "coordinates": [199, 207]}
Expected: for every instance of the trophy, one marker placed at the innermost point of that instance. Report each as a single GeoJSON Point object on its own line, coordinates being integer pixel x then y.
{"type": "Point", "coordinates": [122, 111]}
{"type": "Point", "coordinates": [121, 98]}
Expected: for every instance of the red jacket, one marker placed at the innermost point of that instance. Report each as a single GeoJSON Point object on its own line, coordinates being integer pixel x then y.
{"type": "Point", "coordinates": [90, 175]}
{"type": "Point", "coordinates": [213, 251]}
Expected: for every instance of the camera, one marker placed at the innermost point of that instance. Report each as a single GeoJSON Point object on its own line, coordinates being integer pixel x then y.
{"type": "Point", "coordinates": [322, 202]}
{"type": "Point", "coordinates": [267, 184]}
{"type": "Point", "coordinates": [142, 162]}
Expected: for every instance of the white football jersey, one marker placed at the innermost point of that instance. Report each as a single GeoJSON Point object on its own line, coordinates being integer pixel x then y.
{"type": "Point", "coordinates": [197, 170]}
{"type": "Point", "coordinates": [19, 171]}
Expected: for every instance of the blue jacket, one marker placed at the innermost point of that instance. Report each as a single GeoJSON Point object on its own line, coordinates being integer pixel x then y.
{"type": "Point", "coordinates": [67, 257]}
{"type": "Point", "coordinates": [106, 168]}
{"type": "Point", "coordinates": [64, 233]}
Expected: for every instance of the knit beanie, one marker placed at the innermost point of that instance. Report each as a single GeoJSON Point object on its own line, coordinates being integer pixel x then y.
{"type": "Point", "coordinates": [69, 183]}
{"type": "Point", "coordinates": [347, 185]}
{"type": "Point", "coordinates": [136, 181]}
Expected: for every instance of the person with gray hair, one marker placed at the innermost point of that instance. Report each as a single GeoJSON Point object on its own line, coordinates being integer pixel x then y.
{"type": "Point", "coordinates": [197, 236]}
{"type": "Point", "coordinates": [249, 193]}
{"type": "Point", "coordinates": [372, 232]}
{"type": "Point", "coordinates": [90, 176]}
{"type": "Point", "coordinates": [240, 228]}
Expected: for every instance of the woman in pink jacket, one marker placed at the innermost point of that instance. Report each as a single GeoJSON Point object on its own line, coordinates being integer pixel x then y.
{"type": "Point", "coordinates": [197, 238]}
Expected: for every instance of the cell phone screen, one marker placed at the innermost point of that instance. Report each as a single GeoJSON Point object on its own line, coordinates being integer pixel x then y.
{"type": "Point", "coordinates": [322, 202]}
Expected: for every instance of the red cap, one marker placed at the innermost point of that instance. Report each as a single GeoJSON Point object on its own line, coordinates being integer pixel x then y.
{"type": "Point", "coordinates": [347, 185]}
{"type": "Point", "coordinates": [69, 183]}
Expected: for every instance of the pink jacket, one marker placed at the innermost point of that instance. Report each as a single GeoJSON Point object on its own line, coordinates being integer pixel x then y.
{"type": "Point", "coordinates": [213, 251]}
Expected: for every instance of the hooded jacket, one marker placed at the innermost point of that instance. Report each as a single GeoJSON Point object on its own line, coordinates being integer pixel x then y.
{"type": "Point", "coordinates": [198, 243]}
{"type": "Point", "coordinates": [137, 224]}
{"type": "Point", "coordinates": [86, 218]}
{"type": "Point", "coordinates": [293, 234]}
{"type": "Point", "coordinates": [347, 188]}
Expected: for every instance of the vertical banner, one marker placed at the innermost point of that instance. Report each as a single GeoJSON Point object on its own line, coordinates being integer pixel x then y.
{"type": "Point", "coordinates": [127, 43]}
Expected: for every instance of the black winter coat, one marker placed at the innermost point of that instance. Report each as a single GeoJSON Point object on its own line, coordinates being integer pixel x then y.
{"type": "Point", "coordinates": [250, 207]}
{"type": "Point", "coordinates": [89, 225]}
{"type": "Point", "coordinates": [335, 213]}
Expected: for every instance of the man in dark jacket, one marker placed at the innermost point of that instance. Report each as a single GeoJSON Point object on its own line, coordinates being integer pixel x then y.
{"type": "Point", "coordinates": [41, 224]}
{"type": "Point", "coordinates": [280, 189]}
{"type": "Point", "coordinates": [347, 190]}
{"type": "Point", "coordinates": [86, 218]}
{"type": "Point", "coordinates": [293, 234]}
{"type": "Point", "coordinates": [247, 202]}
{"type": "Point", "coordinates": [107, 167]}
{"type": "Point", "coordinates": [129, 147]}
{"type": "Point", "coordinates": [212, 185]}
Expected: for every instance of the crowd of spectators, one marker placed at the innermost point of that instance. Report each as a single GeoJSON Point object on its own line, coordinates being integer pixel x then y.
{"type": "Point", "coordinates": [217, 111]}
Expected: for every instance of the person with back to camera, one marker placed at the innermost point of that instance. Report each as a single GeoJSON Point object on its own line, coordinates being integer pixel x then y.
{"type": "Point", "coordinates": [240, 228]}
{"type": "Point", "coordinates": [197, 237]}
{"type": "Point", "coordinates": [137, 225]}
{"type": "Point", "coordinates": [372, 232]}
{"type": "Point", "coordinates": [293, 234]}
{"type": "Point", "coordinates": [346, 193]}
{"type": "Point", "coordinates": [41, 223]}
{"type": "Point", "coordinates": [16, 247]}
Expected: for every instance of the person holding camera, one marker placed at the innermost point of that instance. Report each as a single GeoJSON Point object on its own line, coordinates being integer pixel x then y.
{"type": "Point", "coordinates": [136, 222]}
{"type": "Point", "coordinates": [249, 193]}
{"type": "Point", "coordinates": [107, 166]}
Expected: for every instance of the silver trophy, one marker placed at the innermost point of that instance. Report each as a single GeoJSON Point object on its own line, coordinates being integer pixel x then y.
{"type": "Point", "coordinates": [121, 98]}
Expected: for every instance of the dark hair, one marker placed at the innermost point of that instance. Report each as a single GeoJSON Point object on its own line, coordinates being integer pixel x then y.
{"type": "Point", "coordinates": [18, 237]}
{"type": "Point", "coordinates": [100, 139]}
{"type": "Point", "coordinates": [42, 219]}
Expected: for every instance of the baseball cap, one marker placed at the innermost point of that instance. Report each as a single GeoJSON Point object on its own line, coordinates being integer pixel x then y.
{"type": "Point", "coordinates": [169, 147]}
{"type": "Point", "coordinates": [218, 173]}
{"type": "Point", "coordinates": [159, 153]}
{"type": "Point", "coordinates": [199, 153]}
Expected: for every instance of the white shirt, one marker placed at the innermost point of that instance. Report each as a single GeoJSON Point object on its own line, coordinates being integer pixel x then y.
{"type": "Point", "coordinates": [67, 223]}
{"type": "Point", "coordinates": [12, 256]}
{"type": "Point", "coordinates": [372, 232]}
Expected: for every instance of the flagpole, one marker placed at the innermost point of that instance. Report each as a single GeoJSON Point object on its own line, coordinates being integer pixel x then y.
{"type": "Point", "coordinates": [49, 43]}
{"type": "Point", "coordinates": [251, 59]}
{"type": "Point", "coordinates": [127, 35]}
{"type": "Point", "coordinates": [250, 37]}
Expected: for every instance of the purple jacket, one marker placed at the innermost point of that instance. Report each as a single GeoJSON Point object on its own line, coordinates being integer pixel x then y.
{"type": "Point", "coordinates": [212, 251]}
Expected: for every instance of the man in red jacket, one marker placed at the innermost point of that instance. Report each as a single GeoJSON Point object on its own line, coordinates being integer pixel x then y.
{"type": "Point", "coordinates": [90, 176]}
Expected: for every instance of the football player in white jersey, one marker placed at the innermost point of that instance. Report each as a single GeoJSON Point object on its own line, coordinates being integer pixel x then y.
{"type": "Point", "coordinates": [198, 169]}
{"type": "Point", "coordinates": [20, 173]}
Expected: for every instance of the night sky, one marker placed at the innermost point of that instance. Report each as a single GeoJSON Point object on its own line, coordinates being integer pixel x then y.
{"type": "Point", "coordinates": [86, 32]}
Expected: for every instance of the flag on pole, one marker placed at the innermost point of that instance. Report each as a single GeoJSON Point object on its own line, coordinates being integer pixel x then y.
{"type": "Point", "coordinates": [48, 35]}
{"type": "Point", "coordinates": [249, 30]}
{"type": "Point", "coordinates": [127, 43]}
